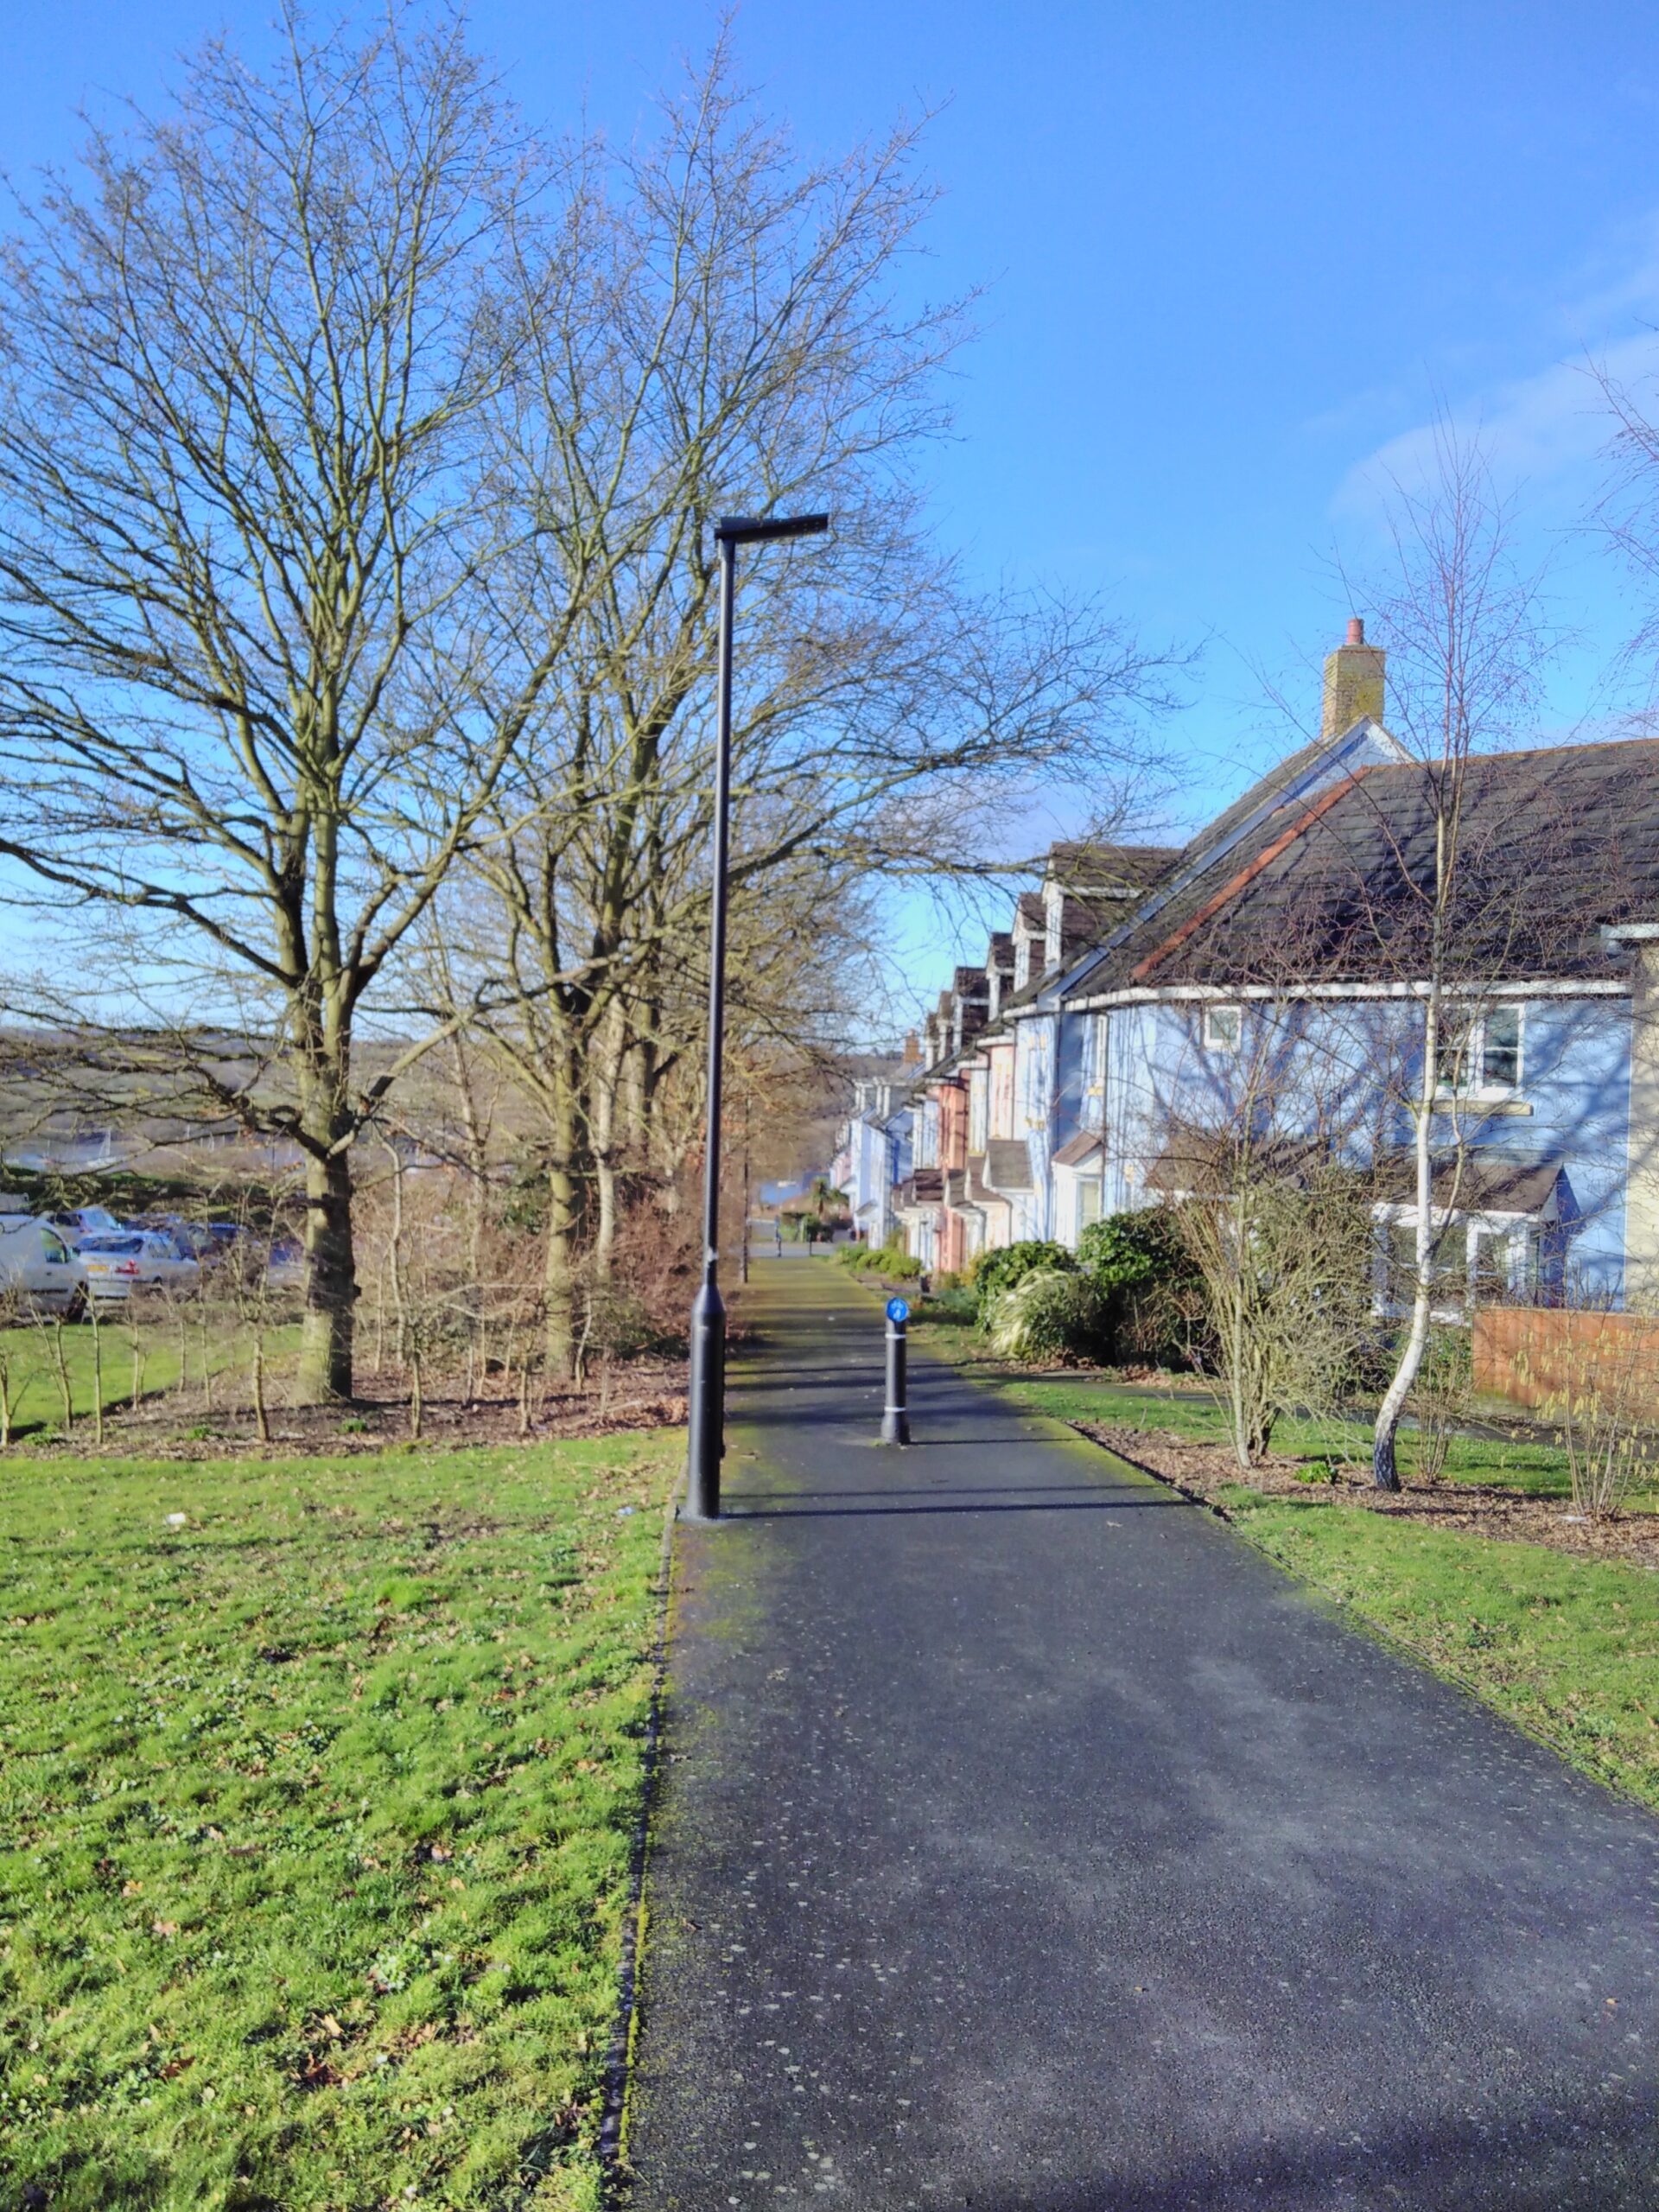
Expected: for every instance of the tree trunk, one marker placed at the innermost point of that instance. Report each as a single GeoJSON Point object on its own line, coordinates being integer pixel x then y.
{"type": "Point", "coordinates": [395, 1256]}
{"type": "Point", "coordinates": [1385, 1472]}
{"type": "Point", "coordinates": [325, 1332]}
{"type": "Point", "coordinates": [743, 1237]}
{"type": "Point", "coordinates": [605, 1226]}
{"type": "Point", "coordinates": [605, 1078]}
{"type": "Point", "coordinates": [261, 1416]}
{"type": "Point", "coordinates": [477, 1201]}
{"type": "Point", "coordinates": [563, 1207]}
{"type": "Point", "coordinates": [635, 1100]}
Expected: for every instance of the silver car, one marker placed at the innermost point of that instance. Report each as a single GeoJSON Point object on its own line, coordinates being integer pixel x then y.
{"type": "Point", "coordinates": [137, 1260]}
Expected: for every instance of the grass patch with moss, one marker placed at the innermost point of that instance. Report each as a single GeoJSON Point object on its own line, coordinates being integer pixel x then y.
{"type": "Point", "coordinates": [315, 1816]}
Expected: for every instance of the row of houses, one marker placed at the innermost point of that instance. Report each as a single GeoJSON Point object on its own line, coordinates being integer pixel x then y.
{"type": "Point", "coordinates": [1150, 1007]}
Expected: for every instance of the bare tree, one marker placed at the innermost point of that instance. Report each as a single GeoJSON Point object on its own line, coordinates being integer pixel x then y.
{"type": "Point", "coordinates": [1467, 642]}
{"type": "Point", "coordinates": [251, 704]}
{"type": "Point", "coordinates": [1274, 1216]}
{"type": "Point", "coordinates": [725, 339]}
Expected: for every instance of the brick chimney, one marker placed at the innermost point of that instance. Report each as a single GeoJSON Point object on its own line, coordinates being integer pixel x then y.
{"type": "Point", "coordinates": [912, 1055]}
{"type": "Point", "coordinates": [1353, 683]}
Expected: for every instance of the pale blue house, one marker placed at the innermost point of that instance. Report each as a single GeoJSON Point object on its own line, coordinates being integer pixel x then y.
{"type": "Point", "coordinates": [1270, 979]}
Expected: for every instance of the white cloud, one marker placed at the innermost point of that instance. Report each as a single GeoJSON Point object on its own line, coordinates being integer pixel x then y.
{"type": "Point", "coordinates": [1548, 430]}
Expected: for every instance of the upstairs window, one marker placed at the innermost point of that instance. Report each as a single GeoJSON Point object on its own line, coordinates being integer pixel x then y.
{"type": "Point", "coordinates": [1483, 1057]}
{"type": "Point", "coordinates": [1222, 1027]}
{"type": "Point", "coordinates": [1500, 1048]}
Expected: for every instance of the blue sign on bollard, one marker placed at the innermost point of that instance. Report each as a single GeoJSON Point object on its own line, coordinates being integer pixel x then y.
{"type": "Point", "coordinates": [897, 1309]}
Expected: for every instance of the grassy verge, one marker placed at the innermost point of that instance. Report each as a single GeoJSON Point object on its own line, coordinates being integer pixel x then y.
{"type": "Point", "coordinates": [162, 1351]}
{"type": "Point", "coordinates": [316, 1814]}
{"type": "Point", "coordinates": [1568, 1648]}
{"type": "Point", "coordinates": [1517, 1463]}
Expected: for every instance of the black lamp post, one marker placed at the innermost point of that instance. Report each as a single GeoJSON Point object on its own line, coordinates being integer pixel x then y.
{"type": "Point", "coordinates": [708, 1384]}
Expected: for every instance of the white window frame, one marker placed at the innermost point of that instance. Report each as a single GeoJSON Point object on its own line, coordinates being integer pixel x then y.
{"type": "Point", "coordinates": [1094, 1183]}
{"type": "Point", "coordinates": [979, 1108]}
{"type": "Point", "coordinates": [1519, 1231]}
{"type": "Point", "coordinates": [1208, 1035]}
{"type": "Point", "coordinates": [1475, 1057]}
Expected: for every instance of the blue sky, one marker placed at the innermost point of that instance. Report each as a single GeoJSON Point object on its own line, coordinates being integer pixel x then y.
{"type": "Point", "coordinates": [1237, 256]}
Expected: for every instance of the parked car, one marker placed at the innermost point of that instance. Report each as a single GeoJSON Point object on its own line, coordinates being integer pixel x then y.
{"type": "Point", "coordinates": [141, 1259]}
{"type": "Point", "coordinates": [75, 1224]}
{"type": "Point", "coordinates": [285, 1271]}
{"type": "Point", "coordinates": [205, 1241]}
{"type": "Point", "coordinates": [38, 1268]}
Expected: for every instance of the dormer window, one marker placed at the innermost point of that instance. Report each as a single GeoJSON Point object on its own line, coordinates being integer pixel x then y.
{"type": "Point", "coordinates": [1222, 1026]}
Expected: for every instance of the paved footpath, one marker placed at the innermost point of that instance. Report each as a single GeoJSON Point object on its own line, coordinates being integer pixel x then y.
{"type": "Point", "coordinates": [1030, 1844]}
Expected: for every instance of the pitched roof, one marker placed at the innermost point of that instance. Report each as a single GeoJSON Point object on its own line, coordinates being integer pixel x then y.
{"type": "Point", "coordinates": [1478, 1182]}
{"type": "Point", "coordinates": [1076, 1149]}
{"type": "Point", "coordinates": [1286, 775]}
{"type": "Point", "coordinates": [1205, 1162]}
{"type": "Point", "coordinates": [1087, 867]}
{"type": "Point", "coordinates": [1007, 1164]}
{"type": "Point", "coordinates": [1552, 844]}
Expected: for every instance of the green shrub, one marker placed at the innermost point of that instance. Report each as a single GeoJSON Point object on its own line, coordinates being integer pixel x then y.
{"type": "Point", "coordinates": [1001, 1270]}
{"type": "Point", "coordinates": [1148, 1280]}
{"type": "Point", "coordinates": [880, 1260]}
{"type": "Point", "coordinates": [1442, 1397]}
{"type": "Point", "coordinates": [898, 1267]}
{"type": "Point", "coordinates": [1127, 1249]}
{"type": "Point", "coordinates": [1050, 1314]}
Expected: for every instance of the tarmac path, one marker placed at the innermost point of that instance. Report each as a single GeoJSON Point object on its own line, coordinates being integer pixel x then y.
{"type": "Point", "coordinates": [1028, 1843]}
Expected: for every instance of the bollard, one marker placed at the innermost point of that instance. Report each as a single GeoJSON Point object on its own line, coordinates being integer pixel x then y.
{"type": "Point", "coordinates": [895, 1413]}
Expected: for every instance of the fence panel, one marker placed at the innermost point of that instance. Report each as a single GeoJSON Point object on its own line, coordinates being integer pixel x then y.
{"type": "Point", "coordinates": [1528, 1354]}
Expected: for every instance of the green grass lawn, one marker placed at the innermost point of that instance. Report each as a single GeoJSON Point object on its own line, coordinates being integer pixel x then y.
{"type": "Point", "coordinates": [315, 1815]}
{"type": "Point", "coordinates": [1517, 1463]}
{"type": "Point", "coordinates": [105, 1362]}
{"type": "Point", "coordinates": [1567, 1647]}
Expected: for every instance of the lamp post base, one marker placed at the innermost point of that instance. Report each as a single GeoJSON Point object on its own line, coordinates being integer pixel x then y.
{"type": "Point", "coordinates": [707, 1395]}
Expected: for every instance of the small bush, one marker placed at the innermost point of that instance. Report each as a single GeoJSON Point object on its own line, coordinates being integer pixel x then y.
{"type": "Point", "coordinates": [1050, 1314]}
{"type": "Point", "coordinates": [1442, 1395]}
{"type": "Point", "coordinates": [898, 1267]}
{"type": "Point", "coordinates": [1001, 1270]}
{"type": "Point", "coordinates": [880, 1260]}
{"type": "Point", "coordinates": [1139, 1263]}
{"type": "Point", "coordinates": [622, 1326]}
{"type": "Point", "coordinates": [1128, 1250]}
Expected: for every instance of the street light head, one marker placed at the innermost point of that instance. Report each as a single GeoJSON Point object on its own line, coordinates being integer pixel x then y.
{"type": "Point", "coordinates": [749, 530]}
